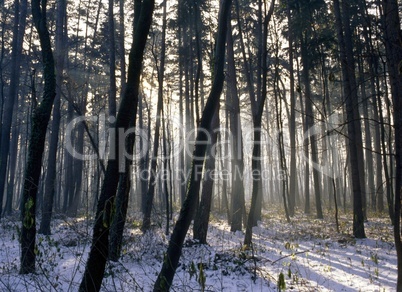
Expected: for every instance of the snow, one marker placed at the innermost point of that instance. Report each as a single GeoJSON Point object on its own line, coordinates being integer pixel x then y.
{"type": "Point", "coordinates": [309, 253]}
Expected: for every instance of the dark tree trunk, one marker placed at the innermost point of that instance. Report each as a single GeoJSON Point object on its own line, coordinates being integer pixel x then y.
{"type": "Point", "coordinates": [350, 93]}
{"type": "Point", "coordinates": [171, 260]}
{"type": "Point", "coordinates": [98, 254]}
{"type": "Point", "coordinates": [393, 40]}
{"type": "Point", "coordinates": [68, 165]}
{"type": "Point", "coordinates": [281, 147]}
{"type": "Point", "coordinates": [257, 108]}
{"type": "Point", "coordinates": [12, 169]}
{"type": "Point", "coordinates": [310, 123]}
{"type": "Point", "coordinates": [144, 159]}
{"type": "Point", "coordinates": [201, 218]}
{"type": "Point", "coordinates": [146, 223]}
{"type": "Point", "coordinates": [120, 214]}
{"type": "Point", "coordinates": [40, 120]}
{"type": "Point", "coordinates": [54, 138]}
{"type": "Point", "coordinates": [122, 49]}
{"type": "Point", "coordinates": [292, 124]}
{"type": "Point", "coordinates": [233, 108]}
{"type": "Point", "coordinates": [7, 118]}
{"type": "Point", "coordinates": [112, 61]}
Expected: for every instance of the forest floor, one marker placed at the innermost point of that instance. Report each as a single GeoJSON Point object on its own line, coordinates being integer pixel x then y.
{"type": "Point", "coordinates": [308, 254]}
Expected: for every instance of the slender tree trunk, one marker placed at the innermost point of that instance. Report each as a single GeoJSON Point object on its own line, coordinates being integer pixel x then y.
{"type": "Point", "coordinates": [122, 50]}
{"type": "Point", "coordinates": [353, 124]}
{"type": "Point", "coordinates": [40, 121]}
{"type": "Point", "coordinates": [281, 147]}
{"type": "Point", "coordinates": [393, 40]}
{"type": "Point", "coordinates": [54, 138]}
{"type": "Point", "coordinates": [292, 122]}
{"type": "Point", "coordinates": [310, 123]}
{"type": "Point", "coordinates": [257, 107]}
{"type": "Point", "coordinates": [68, 165]}
{"type": "Point", "coordinates": [201, 218]}
{"type": "Point", "coordinates": [237, 145]}
{"type": "Point", "coordinates": [17, 40]}
{"type": "Point", "coordinates": [12, 168]}
{"type": "Point", "coordinates": [146, 223]}
{"type": "Point", "coordinates": [112, 61]}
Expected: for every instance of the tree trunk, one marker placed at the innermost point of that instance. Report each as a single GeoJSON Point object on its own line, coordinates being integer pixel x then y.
{"type": "Point", "coordinates": [18, 35]}
{"type": "Point", "coordinates": [98, 254]}
{"type": "Point", "coordinates": [292, 123]}
{"type": "Point", "coordinates": [233, 108]}
{"type": "Point", "coordinates": [54, 138]}
{"type": "Point", "coordinates": [146, 222]}
{"type": "Point", "coordinates": [112, 61]}
{"type": "Point", "coordinates": [40, 121]}
{"type": "Point", "coordinates": [350, 92]}
{"type": "Point", "coordinates": [393, 40]}
{"type": "Point", "coordinates": [201, 218]}
{"type": "Point", "coordinates": [257, 107]}
{"type": "Point", "coordinates": [122, 50]}
{"type": "Point", "coordinates": [171, 260]}
{"type": "Point", "coordinates": [310, 123]}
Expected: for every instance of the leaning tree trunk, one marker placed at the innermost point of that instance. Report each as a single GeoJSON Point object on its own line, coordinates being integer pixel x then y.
{"type": "Point", "coordinates": [40, 120]}
{"type": "Point", "coordinates": [171, 260]}
{"type": "Point", "coordinates": [201, 219]}
{"type": "Point", "coordinates": [95, 267]}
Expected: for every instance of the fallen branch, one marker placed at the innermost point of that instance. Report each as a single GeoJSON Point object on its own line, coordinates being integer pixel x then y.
{"type": "Point", "coordinates": [284, 257]}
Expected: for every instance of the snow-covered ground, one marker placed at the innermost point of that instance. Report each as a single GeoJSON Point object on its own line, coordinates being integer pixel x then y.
{"type": "Point", "coordinates": [308, 254]}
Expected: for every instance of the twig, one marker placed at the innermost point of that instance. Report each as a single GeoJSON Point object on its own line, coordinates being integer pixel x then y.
{"type": "Point", "coordinates": [284, 257]}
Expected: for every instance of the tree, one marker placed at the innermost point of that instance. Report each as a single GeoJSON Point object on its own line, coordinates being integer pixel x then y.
{"type": "Point", "coordinates": [17, 41]}
{"type": "Point", "coordinates": [112, 61]}
{"type": "Point", "coordinates": [393, 49]}
{"type": "Point", "coordinates": [40, 120]}
{"type": "Point", "coordinates": [171, 260]}
{"type": "Point", "coordinates": [292, 122]}
{"type": "Point", "coordinates": [54, 138]}
{"type": "Point", "coordinates": [257, 110]}
{"type": "Point", "coordinates": [146, 223]}
{"type": "Point", "coordinates": [353, 123]}
{"type": "Point", "coordinates": [98, 254]}
{"type": "Point", "coordinates": [233, 108]}
{"type": "Point", "coordinates": [201, 218]}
